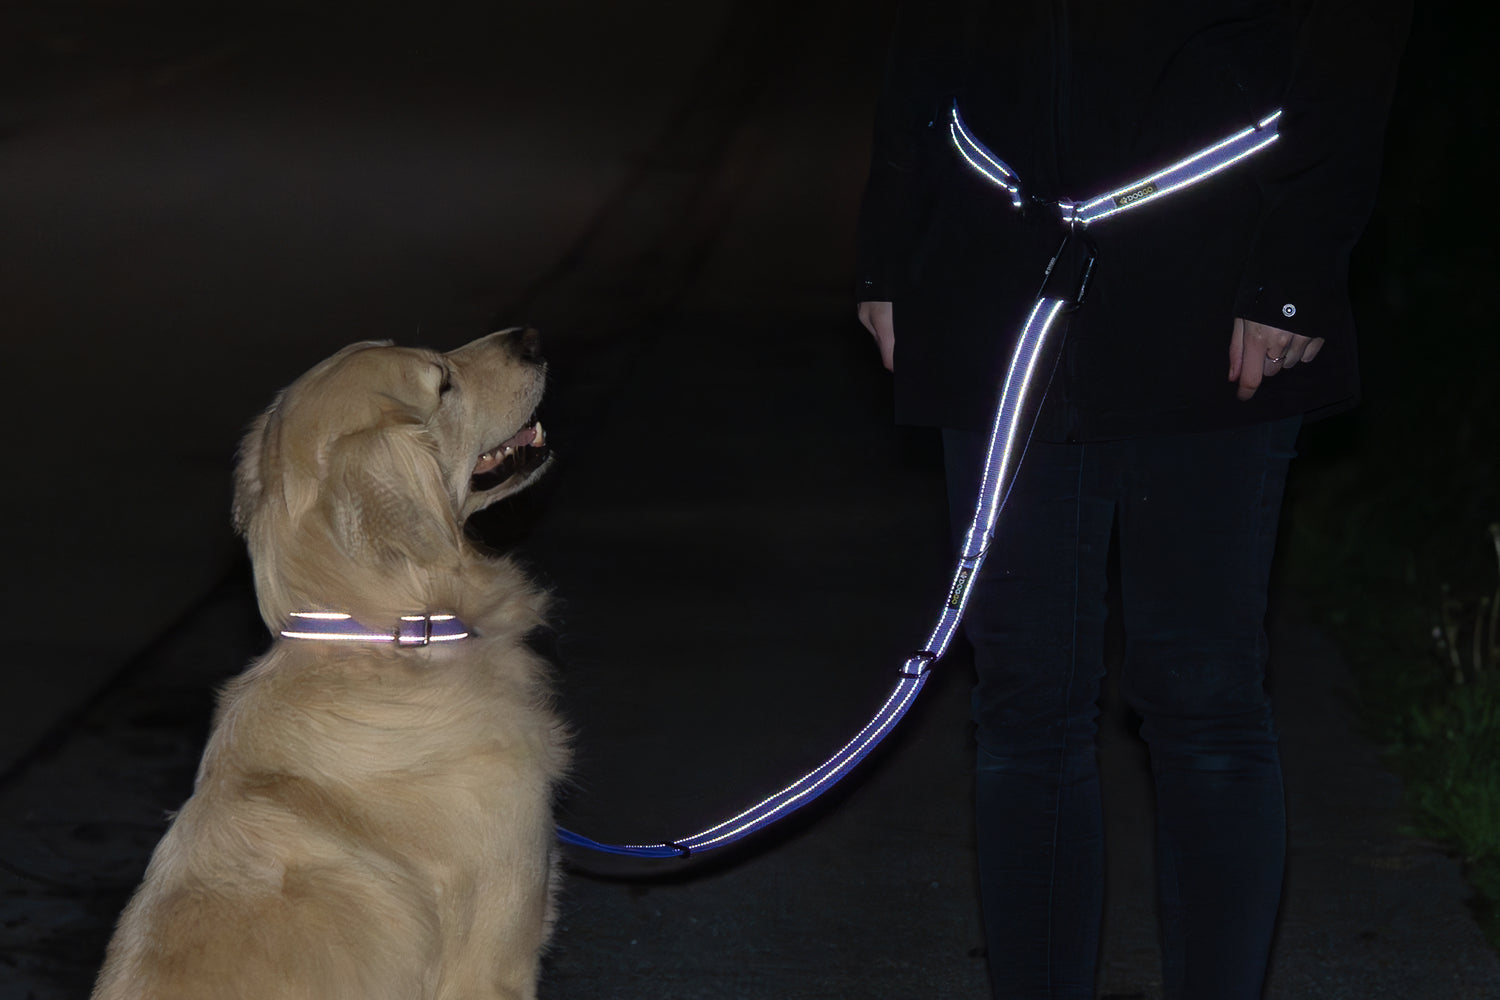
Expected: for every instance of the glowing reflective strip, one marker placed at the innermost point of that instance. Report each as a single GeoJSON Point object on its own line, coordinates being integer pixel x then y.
{"type": "Point", "coordinates": [993, 168]}
{"type": "Point", "coordinates": [1002, 460]}
{"type": "Point", "coordinates": [1017, 394]}
{"type": "Point", "coordinates": [1204, 163]}
{"type": "Point", "coordinates": [631, 850]}
{"type": "Point", "coordinates": [1005, 447]}
{"type": "Point", "coordinates": [817, 781]}
{"type": "Point", "coordinates": [961, 131]}
{"type": "Point", "coordinates": [1201, 165]}
{"type": "Point", "coordinates": [339, 627]}
{"type": "Point", "coordinates": [788, 800]}
{"type": "Point", "coordinates": [340, 636]}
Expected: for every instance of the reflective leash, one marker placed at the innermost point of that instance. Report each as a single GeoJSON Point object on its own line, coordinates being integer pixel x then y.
{"type": "Point", "coordinates": [1064, 285]}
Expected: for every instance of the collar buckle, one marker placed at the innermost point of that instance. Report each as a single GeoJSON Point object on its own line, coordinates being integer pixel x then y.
{"type": "Point", "coordinates": [414, 630]}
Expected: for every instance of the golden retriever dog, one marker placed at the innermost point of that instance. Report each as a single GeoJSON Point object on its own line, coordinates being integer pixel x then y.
{"type": "Point", "coordinates": [372, 818]}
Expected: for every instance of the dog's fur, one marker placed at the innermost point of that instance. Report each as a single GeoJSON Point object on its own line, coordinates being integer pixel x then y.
{"type": "Point", "coordinates": [368, 821]}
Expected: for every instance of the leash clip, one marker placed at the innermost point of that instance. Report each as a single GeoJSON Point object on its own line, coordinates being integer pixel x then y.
{"type": "Point", "coordinates": [1068, 272]}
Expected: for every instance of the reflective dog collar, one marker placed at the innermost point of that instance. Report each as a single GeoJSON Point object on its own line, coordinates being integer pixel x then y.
{"type": "Point", "coordinates": [413, 630]}
{"type": "Point", "coordinates": [1021, 392]}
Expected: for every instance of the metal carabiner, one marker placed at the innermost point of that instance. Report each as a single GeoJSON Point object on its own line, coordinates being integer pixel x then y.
{"type": "Point", "coordinates": [1072, 265]}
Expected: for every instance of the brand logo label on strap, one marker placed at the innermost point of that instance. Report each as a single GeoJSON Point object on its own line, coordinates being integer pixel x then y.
{"type": "Point", "coordinates": [960, 584]}
{"type": "Point", "coordinates": [1135, 194]}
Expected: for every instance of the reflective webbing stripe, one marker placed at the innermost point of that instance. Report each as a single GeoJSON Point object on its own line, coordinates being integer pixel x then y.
{"type": "Point", "coordinates": [335, 626]}
{"type": "Point", "coordinates": [1015, 415]}
{"type": "Point", "coordinates": [981, 159]}
{"type": "Point", "coordinates": [1019, 396]}
{"type": "Point", "coordinates": [1189, 170]}
{"type": "Point", "coordinates": [789, 799]}
{"type": "Point", "coordinates": [1019, 393]}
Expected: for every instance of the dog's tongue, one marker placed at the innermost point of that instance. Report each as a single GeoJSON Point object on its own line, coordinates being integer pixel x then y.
{"type": "Point", "coordinates": [524, 438]}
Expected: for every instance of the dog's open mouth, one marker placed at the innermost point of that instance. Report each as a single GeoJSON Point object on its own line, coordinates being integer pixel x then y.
{"type": "Point", "coordinates": [520, 455]}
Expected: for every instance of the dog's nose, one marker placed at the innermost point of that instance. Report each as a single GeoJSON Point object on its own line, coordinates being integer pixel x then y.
{"type": "Point", "coordinates": [523, 342]}
{"type": "Point", "coordinates": [530, 344]}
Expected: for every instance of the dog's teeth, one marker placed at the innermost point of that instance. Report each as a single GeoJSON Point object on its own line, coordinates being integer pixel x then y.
{"type": "Point", "coordinates": [541, 436]}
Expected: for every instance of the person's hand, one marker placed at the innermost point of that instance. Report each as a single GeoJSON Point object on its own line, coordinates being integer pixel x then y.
{"type": "Point", "coordinates": [876, 317]}
{"type": "Point", "coordinates": [1257, 351]}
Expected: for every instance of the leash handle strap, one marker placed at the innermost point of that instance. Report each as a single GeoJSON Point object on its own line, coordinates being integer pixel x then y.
{"type": "Point", "coordinates": [1037, 349]}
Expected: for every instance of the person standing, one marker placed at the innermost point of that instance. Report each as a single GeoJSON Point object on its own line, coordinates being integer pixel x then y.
{"type": "Point", "coordinates": [1216, 320]}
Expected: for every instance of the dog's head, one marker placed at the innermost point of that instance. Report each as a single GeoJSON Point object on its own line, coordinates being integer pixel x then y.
{"type": "Point", "coordinates": [352, 489]}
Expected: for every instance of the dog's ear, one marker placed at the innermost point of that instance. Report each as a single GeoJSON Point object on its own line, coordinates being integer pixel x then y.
{"type": "Point", "coordinates": [267, 471]}
{"type": "Point", "coordinates": [386, 497]}
{"type": "Point", "coordinates": [249, 473]}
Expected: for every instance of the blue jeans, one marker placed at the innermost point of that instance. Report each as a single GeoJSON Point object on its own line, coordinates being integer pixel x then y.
{"type": "Point", "coordinates": [1197, 517]}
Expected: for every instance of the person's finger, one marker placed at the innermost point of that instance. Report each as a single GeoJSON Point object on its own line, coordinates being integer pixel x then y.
{"type": "Point", "coordinates": [1250, 378]}
{"type": "Point", "coordinates": [879, 319]}
{"type": "Point", "coordinates": [1236, 349]}
{"type": "Point", "coordinates": [1269, 343]}
{"type": "Point", "coordinates": [1260, 351]}
{"type": "Point", "coordinates": [1294, 351]}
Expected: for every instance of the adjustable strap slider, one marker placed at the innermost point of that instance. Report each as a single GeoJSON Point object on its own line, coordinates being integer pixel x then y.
{"type": "Point", "coordinates": [414, 630]}
{"type": "Point", "coordinates": [924, 658]}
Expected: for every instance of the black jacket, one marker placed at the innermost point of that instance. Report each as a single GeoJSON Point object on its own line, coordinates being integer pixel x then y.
{"type": "Point", "coordinates": [1081, 97]}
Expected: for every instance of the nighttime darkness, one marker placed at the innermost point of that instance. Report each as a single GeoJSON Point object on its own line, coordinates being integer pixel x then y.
{"type": "Point", "coordinates": [683, 538]}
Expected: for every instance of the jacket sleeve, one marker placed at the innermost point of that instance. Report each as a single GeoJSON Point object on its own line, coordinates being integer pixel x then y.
{"type": "Point", "coordinates": [924, 56]}
{"type": "Point", "coordinates": [1320, 179]}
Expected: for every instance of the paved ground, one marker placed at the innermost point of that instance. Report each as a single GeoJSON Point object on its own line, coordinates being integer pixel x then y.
{"type": "Point", "coordinates": [727, 468]}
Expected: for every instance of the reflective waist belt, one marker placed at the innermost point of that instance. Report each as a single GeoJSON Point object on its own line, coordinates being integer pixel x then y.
{"type": "Point", "coordinates": [1064, 284]}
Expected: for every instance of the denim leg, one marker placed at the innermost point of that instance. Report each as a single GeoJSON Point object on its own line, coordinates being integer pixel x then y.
{"type": "Point", "coordinates": [1197, 528]}
{"type": "Point", "coordinates": [1036, 622]}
